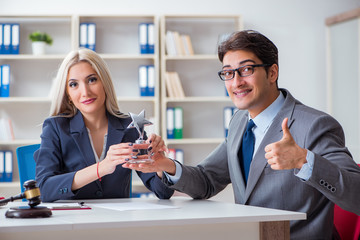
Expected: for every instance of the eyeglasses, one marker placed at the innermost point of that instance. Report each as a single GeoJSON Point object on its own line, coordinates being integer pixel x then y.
{"type": "Point", "coordinates": [243, 71]}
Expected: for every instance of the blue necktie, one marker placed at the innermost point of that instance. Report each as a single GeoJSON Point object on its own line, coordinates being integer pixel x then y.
{"type": "Point", "coordinates": [247, 149]}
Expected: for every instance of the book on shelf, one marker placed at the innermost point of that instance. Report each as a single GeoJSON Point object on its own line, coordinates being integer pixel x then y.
{"type": "Point", "coordinates": [170, 123]}
{"type": "Point", "coordinates": [147, 38]}
{"type": "Point", "coordinates": [5, 80]}
{"type": "Point", "coordinates": [173, 85]}
{"type": "Point", "coordinates": [87, 37]}
{"type": "Point", "coordinates": [147, 80]}
{"type": "Point", "coordinates": [178, 44]}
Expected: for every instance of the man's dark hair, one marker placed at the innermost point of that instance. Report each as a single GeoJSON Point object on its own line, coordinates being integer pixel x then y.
{"type": "Point", "coordinates": [252, 41]}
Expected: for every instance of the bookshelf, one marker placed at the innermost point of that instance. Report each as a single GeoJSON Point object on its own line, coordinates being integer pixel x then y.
{"type": "Point", "coordinates": [205, 94]}
{"type": "Point", "coordinates": [31, 76]}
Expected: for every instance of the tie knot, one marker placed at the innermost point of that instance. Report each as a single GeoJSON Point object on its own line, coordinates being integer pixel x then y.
{"type": "Point", "coordinates": [250, 125]}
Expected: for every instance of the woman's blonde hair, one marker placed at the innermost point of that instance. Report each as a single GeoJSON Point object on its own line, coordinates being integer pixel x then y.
{"type": "Point", "coordinates": [60, 104]}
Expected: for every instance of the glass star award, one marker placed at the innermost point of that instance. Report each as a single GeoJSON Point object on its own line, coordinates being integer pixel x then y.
{"type": "Point", "coordinates": [140, 147]}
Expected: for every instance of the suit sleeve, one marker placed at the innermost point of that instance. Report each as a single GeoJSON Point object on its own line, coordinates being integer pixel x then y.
{"type": "Point", "coordinates": [53, 183]}
{"type": "Point", "coordinates": [335, 174]}
{"type": "Point", "coordinates": [206, 179]}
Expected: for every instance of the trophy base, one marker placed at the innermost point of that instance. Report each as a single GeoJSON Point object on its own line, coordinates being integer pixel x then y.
{"type": "Point", "coordinates": [28, 212]}
{"type": "Point", "coordinates": [137, 161]}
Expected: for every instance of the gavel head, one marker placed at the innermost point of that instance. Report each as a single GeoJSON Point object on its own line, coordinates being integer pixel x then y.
{"type": "Point", "coordinates": [32, 193]}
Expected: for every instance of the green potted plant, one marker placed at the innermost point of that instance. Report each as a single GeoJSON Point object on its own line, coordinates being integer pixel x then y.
{"type": "Point", "coordinates": [39, 40]}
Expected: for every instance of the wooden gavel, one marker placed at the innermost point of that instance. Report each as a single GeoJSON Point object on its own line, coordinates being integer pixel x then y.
{"type": "Point", "coordinates": [31, 193]}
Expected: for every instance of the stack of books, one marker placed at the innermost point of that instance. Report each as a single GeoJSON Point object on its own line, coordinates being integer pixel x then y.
{"type": "Point", "coordinates": [173, 85]}
{"type": "Point", "coordinates": [9, 38]}
{"type": "Point", "coordinates": [178, 44]}
{"type": "Point", "coordinates": [6, 130]}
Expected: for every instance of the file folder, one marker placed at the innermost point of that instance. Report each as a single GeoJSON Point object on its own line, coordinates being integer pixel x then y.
{"type": "Point", "coordinates": [91, 31]}
{"type": "Point", "coordinates": [178, 125]}
{"type": "Point", "coordinates": [143, 80]}
{"type": "Point", "coordinates": [170, 123]}
{"type": "Point", "coordinates": [5, 80]}
{"type": "Point", "coordinates": [150, 80]}
{"type": "Point", "coordinates": [2, 166]}
{"type": "Point", "coordinates": [1, 38]}
{"type": "Point", "coordinates": [7, 38]}
{"type": "Point", "coordinates": [172, 153]}
{"type": "Point", "coordinates": [228, 112]}
{"type": "Point", "coordinates": [150, 38]}
{"type": "Point", "coordinates": [143, 38]}
{"type": "Point", "coordinates": [83, 35]}
{"type": "Point", "coordinates": [15, 38]}
{"type": "Point", "coordinates": [8, 166]}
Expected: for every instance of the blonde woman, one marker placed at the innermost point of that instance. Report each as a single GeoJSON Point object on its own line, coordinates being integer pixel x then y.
{"type": "Point", "coordinates": [85, 140]}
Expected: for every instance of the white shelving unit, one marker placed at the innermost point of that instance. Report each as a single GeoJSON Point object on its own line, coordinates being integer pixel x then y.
{"type": "Point", "coordinates": [205, 94]}
{"type": "Point", "coordinates": [343, 42]}
{"type": "Point", "coordinates": [31, 76]}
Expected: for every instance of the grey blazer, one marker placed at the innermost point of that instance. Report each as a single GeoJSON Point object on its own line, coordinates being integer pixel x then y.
{"type": "Point", "coordinates": [335, 177]}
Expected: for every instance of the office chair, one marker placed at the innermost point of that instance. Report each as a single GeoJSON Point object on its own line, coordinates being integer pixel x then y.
{"type": "Point", "coordinates": [347, 224]}
{"type": "Point", "coordinates": [26, 163]}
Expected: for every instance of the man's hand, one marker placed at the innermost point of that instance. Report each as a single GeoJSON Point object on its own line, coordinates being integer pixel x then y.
{"type": "Point", "coordinates": [285, 154]}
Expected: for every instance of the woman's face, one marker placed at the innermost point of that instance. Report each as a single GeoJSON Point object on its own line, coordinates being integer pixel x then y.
{"type": "Point", "coordinates": [85, 89]}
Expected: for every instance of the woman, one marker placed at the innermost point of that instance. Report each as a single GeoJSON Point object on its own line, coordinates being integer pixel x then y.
{"type": "Point", "coordinates": [85, 140]}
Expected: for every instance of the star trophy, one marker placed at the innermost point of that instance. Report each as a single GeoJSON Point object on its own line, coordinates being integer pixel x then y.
{"type": "Point", "coordinates": [140, 152]}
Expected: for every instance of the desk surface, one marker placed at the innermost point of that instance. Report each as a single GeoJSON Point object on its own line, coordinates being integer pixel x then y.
{"type": "Point", "coordinates": [187, 211]}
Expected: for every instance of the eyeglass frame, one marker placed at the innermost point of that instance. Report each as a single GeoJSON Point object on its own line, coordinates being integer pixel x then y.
{"type": "Point", "coordinates": [237, 70]}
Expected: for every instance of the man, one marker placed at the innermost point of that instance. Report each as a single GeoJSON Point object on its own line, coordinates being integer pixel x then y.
{"type": "Point", "coordinates": [300, 162]}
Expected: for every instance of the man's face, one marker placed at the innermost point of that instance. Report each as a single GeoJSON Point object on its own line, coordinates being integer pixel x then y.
{"type": "Point", "coordinates": [255, 92]}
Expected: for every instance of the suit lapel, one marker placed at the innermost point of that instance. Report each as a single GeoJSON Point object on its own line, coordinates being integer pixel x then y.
{"type": "Point", "coordinates": [235, 139]}
{"type": "Point", "coordinates": [116, 131]}
{"type": "Point", "coordinates": [274, 134]}
{"type": "Point", "coordinates": [81, 137]}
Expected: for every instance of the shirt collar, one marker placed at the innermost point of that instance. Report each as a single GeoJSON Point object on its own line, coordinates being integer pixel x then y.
{"type": "Point", "coordinates": [265, 118]}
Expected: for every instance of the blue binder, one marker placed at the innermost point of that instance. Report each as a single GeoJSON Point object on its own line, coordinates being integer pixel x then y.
{"type": "Point", "coordinates": [1, 38]}
{"type": "Point", "coordinates": [15, 38]}
{"type": "Point", "coordinates": [8, 159]}
{"type": "Point", "coordinates": [2, 166]}
{"type": "Point", "coordinates": [179, 155]}
{"type": "Point", "coordinates": [143, 38]}
{"type": "Point", "coordinates": [228, 112]}
{"type": "Point", "coordinates": [170, 122]}
{"type": "Point", "coordinates": [5, 80]}
{"type": "Point", "coordinates": [150, 38]}
{"type": "Point", "coordinates": [91, 36]}
{"type": "Point", "coordinates": [7, 38]}
{"type": "Point", "coordinates": [143, 80]}
{"type": "Point", "coordinates": [83, 35]}
{"type": "Point", "coordinates": [150, 80]}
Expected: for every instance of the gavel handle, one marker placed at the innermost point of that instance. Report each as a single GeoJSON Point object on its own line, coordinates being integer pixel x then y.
{"type": "Point", "coordinates": [11, 199]}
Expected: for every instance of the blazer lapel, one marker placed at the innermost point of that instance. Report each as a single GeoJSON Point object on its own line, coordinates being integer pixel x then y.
{"type": "Point", "coordinates": [116, 130]}
{"type": "Point", "coordinates": [81, 137]}
{"type": "Point", "coordinates": [274, 134]}
{"type": "Point", "coordinates": [237, 178]}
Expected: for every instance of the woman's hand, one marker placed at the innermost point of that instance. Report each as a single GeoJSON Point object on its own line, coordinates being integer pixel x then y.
{"type": "Point", "coordinates": [115, 155]}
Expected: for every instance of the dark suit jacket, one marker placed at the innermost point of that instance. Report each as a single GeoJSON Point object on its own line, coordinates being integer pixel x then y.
{"type": "Point", "coordinates": [335, 177]}
{"type": "Point", "coordinates": [66, 148]}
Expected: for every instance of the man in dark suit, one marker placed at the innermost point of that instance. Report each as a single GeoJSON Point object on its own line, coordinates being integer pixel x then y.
{"type": "Point", "coordinates": [296, 158]}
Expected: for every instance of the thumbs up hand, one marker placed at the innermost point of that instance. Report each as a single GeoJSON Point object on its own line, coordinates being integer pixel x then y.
{"type": "Point", "coordinates": [285, 154]}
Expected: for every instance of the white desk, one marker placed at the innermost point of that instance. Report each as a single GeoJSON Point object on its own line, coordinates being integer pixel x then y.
{"type": "Point", "coordinates": [191, 219]}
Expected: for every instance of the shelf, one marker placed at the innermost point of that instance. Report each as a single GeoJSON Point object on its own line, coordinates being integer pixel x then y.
{"type": "Point", "coordinates": [195, 141]}
{"type": "Point", "coordinates": [24, 99]}
{"type": "Point", "coordinates": [198, 99]}
{"type": "Point", "coordinates": [31, 56]}
{"type": "Point", "coordinates": [12, 184]}
{"type": "Point", "coordinates": [19, 142]}
{"type": "Point", "coordinates": [193, 57]}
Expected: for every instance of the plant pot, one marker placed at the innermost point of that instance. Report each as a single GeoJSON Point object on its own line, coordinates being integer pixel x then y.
{"type": "Point", "coordinates": [38, 48]}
